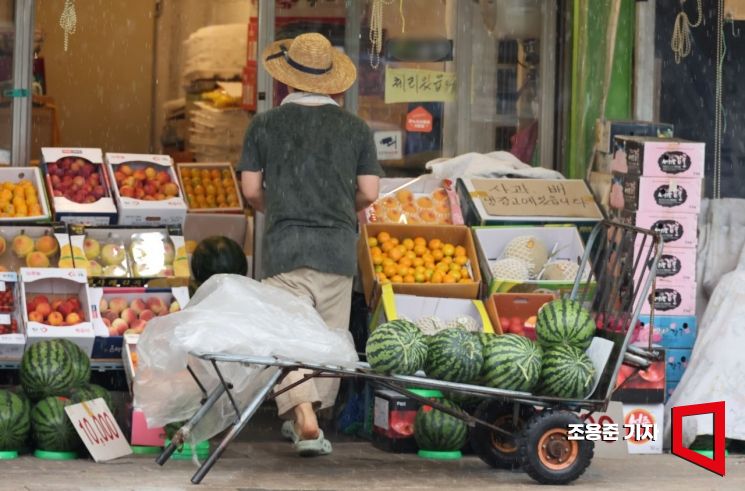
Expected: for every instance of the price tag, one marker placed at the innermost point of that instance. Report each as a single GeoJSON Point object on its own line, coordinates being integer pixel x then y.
{"type": "Point", "coordinates": [4, 319]}
{"type": "Point", "coordinates": [97, 428]}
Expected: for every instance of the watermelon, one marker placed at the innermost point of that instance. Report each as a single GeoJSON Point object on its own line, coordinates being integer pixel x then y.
{"type": "Point", "coordinates": [88, 392]}
{"type": "Point", "coordinates": [81, 363]}
{"type": "Point", "coordinates": [15, 422]}
{"type": "Point", "coordinates": [454, 355]}
{"type": "Point", "coordinates": [51, 428]}
{"type": "Point", "coordinates": [564, 322]}
{"type": "Point", "coordinates": [396, 347]}
{"type": "Point", "coordinates": [46, 370]}
{"type": "Point", "coordinates": [217, 255]}
{"type": "Point", "coordinates": [567, 372]}
{"type": "Point", "coordinates": [511, 362]}
{"type": "Point", "coordinates": [439, 431]}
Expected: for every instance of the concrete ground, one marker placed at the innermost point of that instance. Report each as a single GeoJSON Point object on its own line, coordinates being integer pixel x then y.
{"type": "Point", "coordinates": [272, 465]}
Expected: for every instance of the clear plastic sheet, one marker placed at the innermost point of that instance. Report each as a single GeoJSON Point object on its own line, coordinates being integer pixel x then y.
{"type": "Point", "coordinates": [234, 315]}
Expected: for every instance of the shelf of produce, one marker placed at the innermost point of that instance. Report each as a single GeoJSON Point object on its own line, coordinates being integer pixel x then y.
{"type": "Point", "coordinates": [100, 365]}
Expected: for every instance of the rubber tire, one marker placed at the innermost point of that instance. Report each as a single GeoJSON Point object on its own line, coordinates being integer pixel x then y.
{"type": "Point", "coordinates": [528, 448]}
{"type": "Point", "coordinates": [481, 437]}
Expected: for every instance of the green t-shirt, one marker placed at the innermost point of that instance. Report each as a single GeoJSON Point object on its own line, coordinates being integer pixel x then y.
{"type": "Point", "coordinates": [311, 157]}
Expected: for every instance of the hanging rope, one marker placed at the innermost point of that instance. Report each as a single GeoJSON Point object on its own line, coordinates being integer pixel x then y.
{"type": "Point", "coordinates": [68, 20]}
{"type": "Point", "coordinates": [681, 40]}
{"type": "Point", "coordinates": [376, 28]}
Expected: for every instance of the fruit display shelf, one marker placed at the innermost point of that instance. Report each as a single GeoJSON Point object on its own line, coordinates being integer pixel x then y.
{"type": "Point", "coordinates": [34, 246]}
{"type": "Point", "coordinates": [23, 196]}
{"type": "Point", "coordinates": [210, 187]}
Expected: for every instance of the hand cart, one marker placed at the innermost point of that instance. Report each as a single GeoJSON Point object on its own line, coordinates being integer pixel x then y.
{"type": "Point", "coordinates": [509, 429]}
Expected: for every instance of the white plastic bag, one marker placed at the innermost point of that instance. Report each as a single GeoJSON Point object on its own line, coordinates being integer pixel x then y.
{"type": "Point", "coordinates": [234, 315]}
{"type": "Point", "coordinates": [487, 165]}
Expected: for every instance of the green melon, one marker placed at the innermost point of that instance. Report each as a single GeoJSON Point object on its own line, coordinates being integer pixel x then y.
{"type": "Point", "coordinates": [15, 422]}
{"type": "Point", "coordinates": [89, 392]}
{"type": "Point", "coordinates": [396, 347]}
{"type": "Point", "coordinates": [567, 372]}
{"type": "Point", "coordinates": [51, 428]}
{"type": "Point", "coordinates": [454, 355]}
{"type": "Point", "coordinates": [564, 322]}
{"type": "Point", "coordinates": [47, 370]}
{"type": "Point", "coordinates": [438, 431]}
{"type": "Point", "coordinates": [511, 362]}
{"type": "Point", "coordinates": [81, 363]}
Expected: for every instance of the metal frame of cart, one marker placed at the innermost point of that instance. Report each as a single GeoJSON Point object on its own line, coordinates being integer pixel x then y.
{"type": "Point", "coordinates": [509, 429]}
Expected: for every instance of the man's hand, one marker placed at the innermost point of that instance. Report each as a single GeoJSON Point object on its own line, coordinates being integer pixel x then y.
{"type": "Point", "coordinates": [253, 189]}
{"type": "Point", "coordinates": [368, 188]}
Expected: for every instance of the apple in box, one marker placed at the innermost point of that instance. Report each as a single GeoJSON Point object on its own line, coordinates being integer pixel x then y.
{"type": "Point", "coordinates": [145, 182]}
{"type": "Point", "coordinates": [77, 179]}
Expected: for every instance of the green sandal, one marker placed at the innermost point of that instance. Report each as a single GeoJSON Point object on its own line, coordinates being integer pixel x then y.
{"type": "Point", "coordinates": [313, 448]}
{"type": "Point", "coordinates": [288, 431]}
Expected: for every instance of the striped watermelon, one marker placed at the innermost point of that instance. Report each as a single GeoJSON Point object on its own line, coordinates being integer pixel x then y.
{"type": "Point", "coordinates": [511, 362]}
{"type": "Point", "coordinates": [46, 370]}
{"type": "Point", "coordinates": [15, 422]}
{"type": "Point", "coordinates": [396, 347]}
{"type": "Point", "coordinates": [454, 355]}
{"type": "Point", "coordinates": [51, 428]}
{"type": "Point", "coordinates": [81, 364]}
{"type": "Point", "coordinates": [438, 431]}
{"type": "Point", "coordinates": [567, 372]}
{"type": "Point", "coordinates": [564, 322]}
{"type": "Point", "coordinates": [88, 392]}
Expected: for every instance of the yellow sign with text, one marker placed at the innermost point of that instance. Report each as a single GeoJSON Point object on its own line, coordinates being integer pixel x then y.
{"type": "Point", "coordinates": [417, 85]}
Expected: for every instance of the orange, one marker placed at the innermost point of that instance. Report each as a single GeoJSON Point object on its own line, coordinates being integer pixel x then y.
{"type": "Point", "coordinates": [460, 251]}
{"type": "Point", "coordinates": [420, 241]}
{"type": "Point", "coordinates": [420, 250]}
{"type": "Point", "coordinates": [394, 240]}
{"type": "Point", "coordinates": [447, 260]}
{"type": "Point", "coordinates": [429, 264]}
{"type": "Point", "coordinates": [384, 237]}
{"type": "Point", "coordinates": [455, 274]}
{"type": "Point", "coordinates": [376, 251]}
{"type": "Point", "coordinates": [448, 249]}
{"type": "Point", "coordinates": [409, 279]}
{"type": "Point", "coordinates": [442, 267]}
{"type": "Point", "coordinates": [372, 242]}
{"type": "Point", "coordinates": [402, 270]}
{"type": "Point", "coordinates": [420, 277]}
{"type": "Point", "coordinates": [428, 258]}
{"type": "Point", "coordinates": [464, 280]}
{"type": "Point", "coordinates": [397, 279]}
{"type": "Point", "coordinates": [435, 244]}
{"type": "Point", "coordinates": [387, 246]}
{"type": "Point", "coordinates": [390, 271]}
{"type": "Point", "coordinates": [418, 262]}
{"type": "Point", "coordinates": [436, 277]}
{"type": "Point", "coordinates": [454, 267]}
{"type": "Point", "coordinates": [449, 278]}
{"type": "Point", "coordinates": [464, 273]}
{"type": "Point", "coordinates": [460, 260]}
{"type": "Point", "coordinates": [408, 244]}
{"type": "Point", "coordinates": [388, 261]}
{"type": "Point", "coordinates": [405, 261]}
{"type": "Point", "coordinates": [437, 255]}
{"type": "Point", "coordinates": [420, 270]}
{"type": "Point", "coordinates": [395, 254]}
{"type": "Point", "coordinates": [377, 259]}
{"type": "Point", "coordinates": [410, 254]}
{"type": "Point", "coordinates": [428, 273]}
{"type": "Point", "coordinates": [378, 268]}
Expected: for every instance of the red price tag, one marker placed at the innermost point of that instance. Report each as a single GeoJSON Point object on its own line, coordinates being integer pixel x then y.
{"type": "Point", "coordinates": [99, 431]}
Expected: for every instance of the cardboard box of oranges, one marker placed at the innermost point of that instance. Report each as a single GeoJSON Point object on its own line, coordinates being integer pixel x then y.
{"type": "Point", "coordinates": [423, 260]}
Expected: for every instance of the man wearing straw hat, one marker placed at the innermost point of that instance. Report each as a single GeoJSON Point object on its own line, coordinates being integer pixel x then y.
{"type": "Point", "coordinates": [310, 166]}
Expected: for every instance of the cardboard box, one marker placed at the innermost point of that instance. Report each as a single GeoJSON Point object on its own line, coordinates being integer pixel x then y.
{"type": "Point", "coordinates": [501, 306]}
{"type": "Point", "coordinates": [677, 230]}
{"type": "Point", "coordinates": [678, 300]}
{"type": "Point", "coordinates": [670, 387]}
{"type": "Point", "coordinates": [658, 157]}
{"type": "Point", "coordinates": [13, 261]}
{"type": "Point", "coordinates": [670, 332]}
{"type": "Point", "coordinates": [12, 344]}
{"type": "Point", "coordinates": [453, 234]}
{"type": "Point", "coordinates": [154, 256]}
{"type": "Point", "coordinates": [634, 386]}
{"type": "Point", "coordinates": [491, 242]}
{"type": "Point", "coordinates": [108, 345]}
{"type": "Point", "coordinates": [528, 202]}
{"type": "Point", "coordinates": [393, 422]}
{"type": "Point", "coordinates": [225, 169]}
{"type": "Point", "coordinates": [57, 283]}
{"type": "Point", "coordinates": [32, 174]}
{"type": "Point", "coordinates": [677, 362]}
{"type": "Point", "coordinates": [394, 306]}
{"type": "Point", "coordinates": [651, 415]}
{"type": "Point", "coordinates": [138, 212]}
{"type": "Point", "coordinates": [655, 194]}
{"type": "Point", "coordinates": [676, 269]}
{"type": "Point", "coordinates": [606, 131]}
{"type": "Point", "coordinates": [199, 226]}
{"type": "Point", "coordinates": [102, 212]}
{"type": "Point", "coordinates": [424, 200]}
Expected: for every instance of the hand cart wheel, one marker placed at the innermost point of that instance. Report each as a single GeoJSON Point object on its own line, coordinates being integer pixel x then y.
{"type": "Point", "coordinates": [546, 453]}
{"type": "Point", "coordinates": [496, 449]}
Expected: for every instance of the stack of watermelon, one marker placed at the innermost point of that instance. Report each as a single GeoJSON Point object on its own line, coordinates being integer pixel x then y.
{"type": "Point", "coordinates": [564, 329]}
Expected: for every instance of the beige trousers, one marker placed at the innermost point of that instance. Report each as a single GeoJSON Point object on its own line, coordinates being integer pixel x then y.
{"type": "Point", "coordinates": [331, 296]}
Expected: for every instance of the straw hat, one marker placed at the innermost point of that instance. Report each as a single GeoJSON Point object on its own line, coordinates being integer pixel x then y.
{"type": "Point", "coordinates": [309, 63]}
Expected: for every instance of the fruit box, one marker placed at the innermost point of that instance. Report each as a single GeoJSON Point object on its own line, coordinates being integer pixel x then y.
{"type": "Point", "coordinates": [677, 360]}
{"type": "Point", "coordinates": [676, 268]}
{"type": "Point", "coordinates": [16, 175]}
{"type": "Point", "coordinates": [506, 308]}
{"type": "Point", "coordinates": [394, 306]}
{"type": "Point", "coordinates": [31, 246]}
{"type": "Point", "coordinates": [425, 199]}
{"type": "Point", "coordinates": [655, 194]}
{"type": "Point", "coordinates": [454, 234]}
{"type": "Point", "coordinates": [492, 241]}
{"type": "Point", "coordinates": [606, 131]}
{"type": "Point", "coordinates": [120, 303]}
{"type": "Point", "coordinates": [658, 157]}
{"type": "Point", "coordinates": [129, 256]}
{"type": "Point", "coordinates": [12, 334]}
{"type": "Point", "coordinates": [641, 417]}
{"type": "Point", "coordinates": [393, 422]}
{"type": "Point", "coordinates": [674, 299]}
{"type": "Point", "coordinates": [676, 229]}
{"type": "Point", "coordinates": [191, 191]}
{"type": "Point", "coordinates": [138, 212]}
{"type": "Point", "coordinates": [57, 285]}
{"type": "Point", "coordinates": [57, 165]}
{"type": "Point", "coordinates": [141, 434]}
{"type": "Point", "coordinates": [634, 386]}
{"type": "Point", "coordinates": [670, 332]}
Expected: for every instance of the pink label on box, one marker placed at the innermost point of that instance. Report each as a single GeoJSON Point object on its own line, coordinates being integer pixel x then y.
{"type": "Point", "coordinates": [655, 157]}
{"type": "Point", "coordinates": [673, 300]}
{"type": "Point", "coordinates": [656, 194]}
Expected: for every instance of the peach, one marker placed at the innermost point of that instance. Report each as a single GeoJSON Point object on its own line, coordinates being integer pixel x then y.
{"type": "Point", "coordinates": [94, 268]}
{"type": "Point", "coordinates": [106, 322]}
{"type": "Point", "coordinates": [110, 315]}
{"type": "Point", "coordinates": [170, 189]}
{"type": "Point", "coordinates": [56, 304]}
{"type": "Point", "coordinates": [150, 173]}
{"type": "Point", "coordinates": [138, 305]}
{"type": "Point", "coordinates": [55, 319]}
{"type": "Point", "coordinates": [73, 318]}
{"type": "Point", "coordinates": [113, 331]}
{"type": "Point", "coordinates": [35, 317]}
{"type": "Point", "coordinates": [66, 308]}
{"type": "Point", "coordinates": [163, 177]}
{"type": "Point", "coordinates": [157, 305]}
{"type": "Point", "coordinates": [39, 299]}
{"type": "Point", "coordinates": [120, 325]}
{"type": "Point", "coordinates": [138, 325]}
{"type": "Point", "coordinates": [3, 245]}
{"type": "Point", "coordinates": [22, 245]}
{"type": "Point", "coordinates": [146, 315]}
{"type": "Point", "coordinates": [75, 302]}
{"type": "Point", "coordinates": [175, 307]}
{"type": "Point", "coordinates": [127, 191]}
{"type": "Point", "coordinates": [91, 248]}
{"type": "Point", "coordinates": [43, 308]}
{"type": "Point", "coordinates": [116, 305]}
{"type": "Point", "coordinates": [140, 175]}
{"type": "Point", "coordinates": [37, 259]}
{"type": "Point", "coordinates": [128, 315]}
{"type": "Point", "coordinates": [112, 254]}
{"type": "Point", "coordinates": [126, 170]}
{"type": "Point", "coordinates": [48, 245]}
{"type": "Point", "coordinates": [103, 305]}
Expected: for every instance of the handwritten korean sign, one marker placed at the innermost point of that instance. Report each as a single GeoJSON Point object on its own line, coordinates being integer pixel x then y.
{"type": "Point", "coordinates": [416, 85]}
{"type": "Point", "coordinates": [535, 197]}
